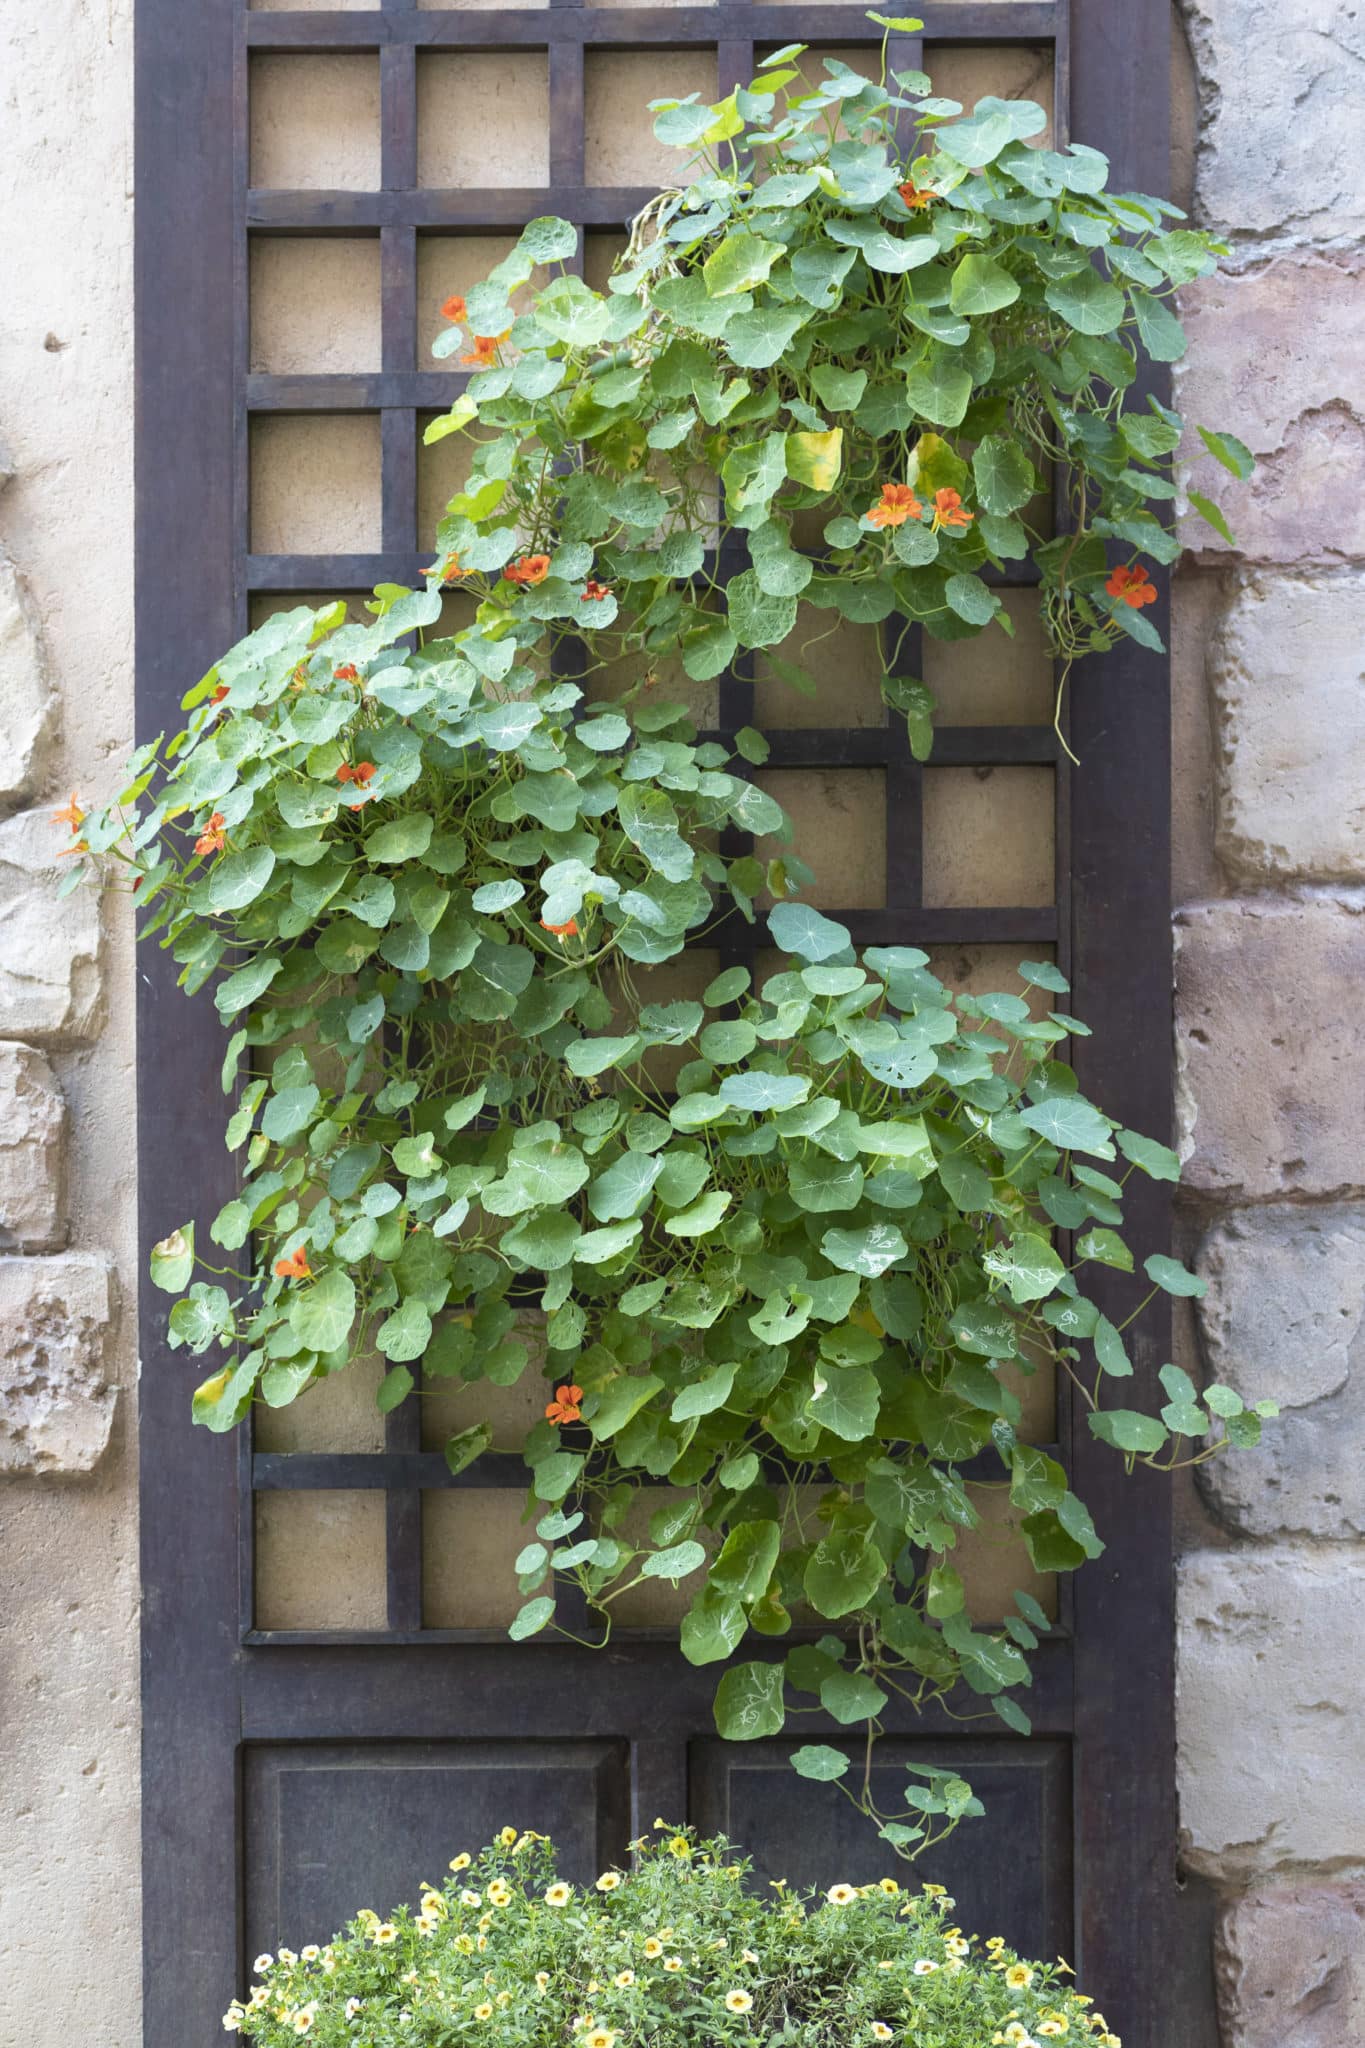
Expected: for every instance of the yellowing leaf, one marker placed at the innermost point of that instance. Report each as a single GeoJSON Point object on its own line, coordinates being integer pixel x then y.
{"type": "Point", "coordinates": [815, 459]}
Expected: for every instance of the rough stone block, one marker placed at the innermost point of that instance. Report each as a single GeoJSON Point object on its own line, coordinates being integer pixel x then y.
{"type": "Point", "coordinates": [1270, 1693]}
{"type": "Point", "coordinates": [1275, 358]}
{"type": "Point", "coordinates": [1270, 1053]}
{"type": "Point", "coordinates": [1284, 1320]}
{"type": "Point", "coordinates": [1287, 668]}
{"type": "Point", "coordinates": [49, 946]}
{"type": "Point", "coordinates": [1279, 95]}
{"type": "Point", "coordinates": [32, 1153]}
{"type": "Point", "coordinates": [1290, 1963]}
{"type": "Point", "coordinates": [56, 1404]}
{"type": "Point", "coordinates": [26, 701]}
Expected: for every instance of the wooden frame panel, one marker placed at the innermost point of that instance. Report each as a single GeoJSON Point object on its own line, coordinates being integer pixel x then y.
{"type": "Point", "coordinates": [213, 1686]}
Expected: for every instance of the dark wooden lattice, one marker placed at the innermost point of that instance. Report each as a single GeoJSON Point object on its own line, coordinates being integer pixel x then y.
{"type": "Point", "coordinates": [252, 1734]}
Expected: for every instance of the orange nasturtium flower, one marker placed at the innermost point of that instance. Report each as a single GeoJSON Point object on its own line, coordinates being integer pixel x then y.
{"type": "Point", "coordinates": [361, 774]}
{"type": "Point", "coordinates": [295, 1267]}
{"type": "Point", "coordinates": [949, 510]}
{"type": "Point", "coordinates": [454, 308]}
{"type": "Point", "coordinates": [213, 838]}
{"type": "Point", "coordinates": [347, 673]}
{"type": "Point", "coordinates": [595, 590]}
{"type": "Point", "coordinates": [530, 569]}
{"type": "Point", "coordinates": [449, 572]}
{"type": "Point", "coordinates": [72, 815]}
{"type": "Point", "coordinates": [219, 694]}
{"type": "Point", "coordinates": [915, 196]}
{"type": "Point", "coordinates": [896, 504]}
{"type": "Point", "coordinates": [1134, 586]}
{"type": "Point", "coordinates": [485, 350]}
{"type": "Point", "coordinates": [564, 1407]}
{"type": "Point", "coordinates": [562, 931]}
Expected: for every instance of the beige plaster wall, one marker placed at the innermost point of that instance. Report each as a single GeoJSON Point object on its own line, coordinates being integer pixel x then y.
{"type": "Point", "coordinates": [68, 1540]}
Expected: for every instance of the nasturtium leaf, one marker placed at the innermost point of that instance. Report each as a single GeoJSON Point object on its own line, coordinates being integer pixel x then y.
{"type": "Point", "coordinates": [401, 839]}
{"type": "Point", "coordinates": [739, 262]}
{"type": "Point", "coordinates": [846, 1401]}
{"type": "Point", "coordinates": [749, 1702]}
{"type": "Point", "coordinates": [701, 1217]}
{"type": "Point", "coordinates": [243, 988]}
{"type": "Point", "coordinates": [758, 619]}
{"type": "Point", "coordinates": [850, 1696]}
{"type": "Point", "coordinates": [1156, 1160]}
{"type": "Point", "coordinates": [172, 1261]}
{"type": "Point", "coordinates": [615, 1403]}
{"type": "Point", "coordinates": [406, 1333]}
{"type": "Point", "coordinates": [814, 459]}
{"type": "Point", "coordinates": [868, 1251]}
{"type": "Point", "coordinates": [1028, 1265]}
{"type": "Point", "coordinates": [321, 1315]}
{"type": "Point", "coordinates": [675, 1563]}
{"type": "Point", "coordinates": [530, 1619]}
{"type": "Point", "coordinates": [817, 1761]}
{"type": "Point", "coordinates": [1159, 330]}
{"type": "Point", "coordinates": [979, 137]}
{"type": "Point", "coordinates": [1234, 455]}
{"type": "Point", "coordinates": [1128, 1430]}
{"type": "Point", "coordinates": [1070, 1123]}
{"type": "Point", "coordinates": [981, 285]}
{"type": "Point", "coordinates": [796, 928]}
{"type": "Point", "coordinates": [704, 1396]}
{"type": "Point", "coordinates": [1005, 477]}
{"type": "Point", "coordinates": [844, 1571]}
{"type": "Point", "coordinates": [1172, 1277]}
{"type": "Point", "coordinates": [757, 1090]}
{"type": "Point", "coordinates": [1086, 302]}
{"type": "Point", "coordinates": [239, 878]}
{"type": "Point", "coordinates": [939, 390]}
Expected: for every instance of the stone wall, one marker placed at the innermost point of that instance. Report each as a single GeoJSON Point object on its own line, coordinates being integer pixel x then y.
{"type": "Point", "coordinates": [68, 1510]}
{"type": "Point", "coordinates": [1270, 929]}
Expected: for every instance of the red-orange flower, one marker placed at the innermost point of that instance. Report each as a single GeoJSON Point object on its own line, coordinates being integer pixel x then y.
{"type": "Point", "coordinates": [915, 196]}
{"type": "Point", "coordinates": [1134, 586]}
{"type": "Point", "coordinates": [896, 504]}
{"type": "Point", "coordinates": [949, 510]}
{"type": "Point", "coordinates": [530, 569]}
{"type": "Point", "coordinates": [454, 308]}
{"type": "Point", "coordinates": [449, 572]}
{"type": "Point", "coordinates": [595, 590]}
{"type": "Point", "coordinates": [219, 694]}
{"type": "Point", "coordinates": [72, 815]}
{"type": "Point", "coordinates": [485, 350]}
{"type": "Point", "coordinates": [347, 673]}
{"type": "Point", "coordinates": [564, 1407]}
{"type": "Point", "coordinates": [561, 931]}
{"type": "Point", "coordinates": [213, 838]}
{"type": "Point", "coordinates": [295, 1267]}
{"type": "Point", "coordinates": [360, 775]}
{"type": "Point", "coordinates": [81, 846]}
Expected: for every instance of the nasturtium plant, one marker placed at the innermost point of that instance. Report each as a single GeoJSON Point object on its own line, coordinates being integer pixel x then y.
{"type": "Point", "coordinates": [785, 1249]}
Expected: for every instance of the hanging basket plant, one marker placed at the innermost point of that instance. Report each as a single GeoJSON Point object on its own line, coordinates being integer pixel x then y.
{"type": "Point", "coordinates": [781, 1248]}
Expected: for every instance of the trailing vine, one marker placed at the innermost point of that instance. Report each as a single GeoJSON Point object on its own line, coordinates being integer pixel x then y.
{"type": "Point", "coordinates": [786, 1251]}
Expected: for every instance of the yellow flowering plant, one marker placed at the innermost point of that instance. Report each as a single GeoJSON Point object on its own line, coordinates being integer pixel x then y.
{"type": "Point", "coordinates": [508, 1954]}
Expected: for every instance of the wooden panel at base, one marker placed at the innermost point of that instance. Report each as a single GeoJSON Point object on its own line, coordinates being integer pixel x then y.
{"type": "Point", "coordinates": [333, 1826]}
{"type": "Point", "coordinates": [1010, 1874]}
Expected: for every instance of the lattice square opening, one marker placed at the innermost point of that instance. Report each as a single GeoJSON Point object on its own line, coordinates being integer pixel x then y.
{"type": "Point", "coordinates": [619, 142]}
{"type": "Point", "coordinates": [989, 837]}
{"type": "Point", "coordinates": [315, 305]}
{"type": "Point", "coordinates": [838, 820]}
{"type": "Point", "coordinates": [993, 679]}
{"type": "Point", "coordinates": [483, 119]}
{"type": "Point", "coordinates": [315, 122]}
{"type": "Point", "coordinates": [320, 1560]}
{"type": "Point", "coordinates": [315, 483]}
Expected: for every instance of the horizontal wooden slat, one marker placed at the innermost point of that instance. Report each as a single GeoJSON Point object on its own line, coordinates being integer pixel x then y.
{"type": "Point", "coordinates": [361, 572]}
{"type": "Point", "coordinates": [492, 28]}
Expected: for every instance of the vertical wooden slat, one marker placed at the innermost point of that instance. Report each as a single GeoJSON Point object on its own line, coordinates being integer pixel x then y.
{"type": "Point", "coordinates": [190, 66]}
{"type": "Point", "coordinates": [1124, 1654]}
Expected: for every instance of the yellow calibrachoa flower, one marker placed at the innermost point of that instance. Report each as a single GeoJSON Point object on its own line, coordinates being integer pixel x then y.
{"type": "Point", "coordinates": [925, 1968]}
{"type": "Point", "coordinates": [432, 1902]}
{"type": "Point", "coordinates": [609, 1880]}
{"type": "Point", "coordinates": [1019, 1976]}
{"type": "Point", "coordinates": [484, 2011]}
{"type": "Point", "coordinates": [507, 1837]}
{"type": "Point", "coordinates": [600, 2037]}
{"type": "Point", "coordinates": [841, 1895]}
{"type": "Point", "coordinates": [680, 1847]}
{"type": "Point", "coordinates": [468, 1898]}
{"type": "Point", "coordinates": [499, 1892]}
{"type": "Point", "coordinates": [881, 2032]}
{"type": "Point", "coordinates": [889, 1886]}
{"type": "Point", "coordinates": [673, 1964]}
{"type": "Point", "coordinates": [739, 2001]}
{"type": "Point", "coordinates": [263, 1962]}
{"type": "Point", "coordinates": [462, 1861]}
{"type": "Point", "coordinates": [310, 1952]}
{"type": "Point", "coordinates": [559, 1894]}
{"type": "Point", "coordinates": [542, 1980]}
{"type": "Point", "coordinates": [385, 1934]}
{"type": "Point", "coordinates": [653, 1946]}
